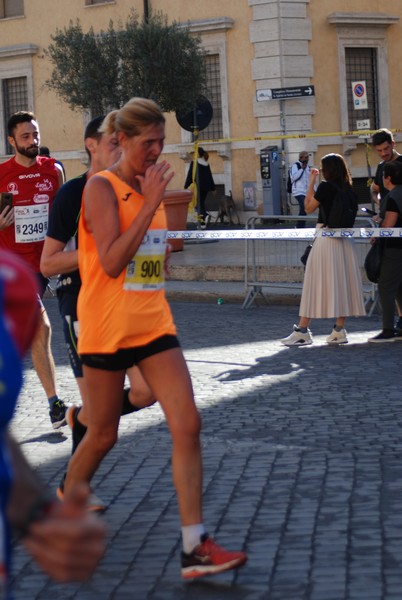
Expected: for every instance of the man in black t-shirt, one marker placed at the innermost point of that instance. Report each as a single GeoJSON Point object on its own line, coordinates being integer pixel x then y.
{"type": "Point", "coordinates": [384, 144]}
{"type": "Point", "coordinates": [60, 257]}
{"type": "Point", "coordinates": [390, 281]}
{"type": "Point", "coordinates": [60, 252]}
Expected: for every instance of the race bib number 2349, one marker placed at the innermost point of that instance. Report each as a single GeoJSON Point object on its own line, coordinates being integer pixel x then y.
{"type": "Point", "coordinates": [31, 223]}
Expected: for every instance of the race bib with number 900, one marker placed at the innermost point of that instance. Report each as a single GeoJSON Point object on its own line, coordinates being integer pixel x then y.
{"type": "Point", "coordinates": [145, 271]}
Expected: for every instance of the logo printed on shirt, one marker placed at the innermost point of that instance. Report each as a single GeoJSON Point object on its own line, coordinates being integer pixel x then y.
{"type": "Point", "coordinates": [12, 188]}
{"type": "Point", "coordinates": [41, 198]}
{"type": "Point", "coordinates": [44, 186]}
{"type": "Point", "coordinates": [29, 176]}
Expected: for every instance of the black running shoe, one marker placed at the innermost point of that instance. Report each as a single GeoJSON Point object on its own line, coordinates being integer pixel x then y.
{"type": "Point", "coordinates": [57, 414]}
{"type": "Point", "coordinates": [128, 408]}
{"type": "Point", "coordinates": [386, 335]}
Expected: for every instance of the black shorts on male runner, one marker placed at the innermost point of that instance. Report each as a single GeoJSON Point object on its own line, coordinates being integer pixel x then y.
{"type": "Point", "coordinates": [68, 312]}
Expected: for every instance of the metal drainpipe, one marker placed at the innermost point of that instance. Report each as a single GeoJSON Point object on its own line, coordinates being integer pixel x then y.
{"type": "Point", "coordinates": [146, 11]}
{"type": "Point", "coordinates": [282, 115]}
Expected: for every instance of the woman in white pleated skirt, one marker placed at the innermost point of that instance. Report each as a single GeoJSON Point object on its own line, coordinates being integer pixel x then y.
{"type": "Point", "coordinates": [332, 285]}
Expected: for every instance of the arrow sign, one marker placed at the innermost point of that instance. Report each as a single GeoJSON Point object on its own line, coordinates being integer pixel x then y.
{"type": "Point", "coordinates": [284, 93]}
{"type": "Point", "coordinates": [292, 92]}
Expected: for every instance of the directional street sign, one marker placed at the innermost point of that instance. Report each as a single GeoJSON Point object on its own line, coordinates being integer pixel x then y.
{"type": "Point", "coordinates": [292, 92]}
{"type": "Point", "coordinates": [284, 93]}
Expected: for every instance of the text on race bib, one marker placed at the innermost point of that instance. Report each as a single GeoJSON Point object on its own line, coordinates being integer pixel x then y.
{"type": "Point", "coordinates": [145, 271]}
{"type": "Point", "coordinates": [30, 223]}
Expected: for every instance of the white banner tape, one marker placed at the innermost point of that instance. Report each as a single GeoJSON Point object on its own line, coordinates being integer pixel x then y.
{"type": "Point", "coordinates": [287, 234]}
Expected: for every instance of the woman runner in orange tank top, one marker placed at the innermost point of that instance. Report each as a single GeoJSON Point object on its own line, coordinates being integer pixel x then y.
{"type": "Point", "coordinates": [125, 320]}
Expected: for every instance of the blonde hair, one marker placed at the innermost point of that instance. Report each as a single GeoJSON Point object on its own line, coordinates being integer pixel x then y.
{"type": "Point", "coordinates": [131, 119]}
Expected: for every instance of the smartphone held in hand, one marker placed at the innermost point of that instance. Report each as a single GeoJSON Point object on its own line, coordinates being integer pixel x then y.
{"type": "Point", "coordinates": [6, 199]}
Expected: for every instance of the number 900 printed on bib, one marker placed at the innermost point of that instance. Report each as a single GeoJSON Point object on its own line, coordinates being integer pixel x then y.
{"type": "Point", "coordinates": [145, 272]}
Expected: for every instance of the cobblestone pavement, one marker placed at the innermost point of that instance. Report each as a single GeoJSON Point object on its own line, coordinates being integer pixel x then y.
{"type": "Point", "coordinates": [303, 466]}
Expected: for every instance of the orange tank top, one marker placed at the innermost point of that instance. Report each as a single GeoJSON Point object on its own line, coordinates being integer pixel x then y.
{"type": "Point", "coordinates": [129, 310]}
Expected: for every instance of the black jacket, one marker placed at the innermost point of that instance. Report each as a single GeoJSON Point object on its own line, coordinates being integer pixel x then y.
{"type": "Point", "coordinates": [205, 179]}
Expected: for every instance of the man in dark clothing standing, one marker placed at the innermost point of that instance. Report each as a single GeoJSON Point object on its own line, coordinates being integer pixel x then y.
{"type": "Point", "coordinates": [205, 183]}
{"type": "Point", "coordinates": [390, 282]}
{"type": "Point", "coordinates": [384, 144]}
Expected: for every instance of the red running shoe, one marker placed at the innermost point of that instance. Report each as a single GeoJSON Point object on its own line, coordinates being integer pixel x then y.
{"type": "Point", "coordinates": [208, 558]}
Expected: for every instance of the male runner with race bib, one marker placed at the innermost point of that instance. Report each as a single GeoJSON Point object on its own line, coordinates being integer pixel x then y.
{"type": "Point", "coordinates": [32, 181]}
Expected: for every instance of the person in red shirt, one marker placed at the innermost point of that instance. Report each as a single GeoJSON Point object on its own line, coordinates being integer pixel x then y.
{"type": "Point", "coordinates": [32, 181]}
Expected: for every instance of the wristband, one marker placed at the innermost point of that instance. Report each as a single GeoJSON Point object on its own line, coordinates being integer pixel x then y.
{"type": "Point", "coordinates": [38, 511]}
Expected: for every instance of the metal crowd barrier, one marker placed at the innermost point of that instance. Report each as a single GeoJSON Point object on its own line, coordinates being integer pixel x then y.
{"type": "Point", "coordinates": [274, 264]}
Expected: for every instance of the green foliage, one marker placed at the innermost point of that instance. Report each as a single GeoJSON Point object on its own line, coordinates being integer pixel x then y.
{"type": "Point", "coordinates": [151, 59]}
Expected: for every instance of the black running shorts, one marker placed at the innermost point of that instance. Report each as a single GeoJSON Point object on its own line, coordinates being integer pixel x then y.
{"type": "Point", "coordinates": [128, 357]}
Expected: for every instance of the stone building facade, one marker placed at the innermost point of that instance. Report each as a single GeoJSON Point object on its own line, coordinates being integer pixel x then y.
{"type": "Point", "coordinates": [257, 50]}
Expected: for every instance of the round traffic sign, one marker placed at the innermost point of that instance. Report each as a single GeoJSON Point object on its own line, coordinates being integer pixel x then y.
{"type": "Point", "coordinates": [358, 90]}
{"type": "Point", "coordinates": [199, 118]}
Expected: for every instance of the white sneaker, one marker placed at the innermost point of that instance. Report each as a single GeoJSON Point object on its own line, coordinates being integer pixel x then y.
{"type": "Point", "coordinates": [337, 337]}
{"type": "Point", "coordinates": [297, 338]}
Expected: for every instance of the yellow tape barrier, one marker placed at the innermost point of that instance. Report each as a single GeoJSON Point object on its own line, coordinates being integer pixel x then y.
{"type": "Point", "coordinates": [360, 133]}
{"type": "Point", "coordinates": [193, 186]}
